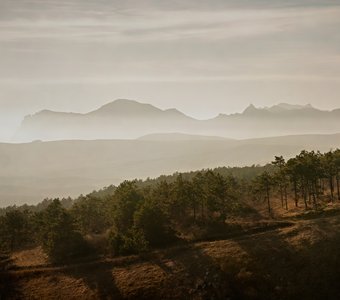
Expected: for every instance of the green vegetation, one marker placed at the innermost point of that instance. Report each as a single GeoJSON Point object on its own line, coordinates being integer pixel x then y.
{"type": "Point", "coordinates": [139, 215]}
{"type": "Point", "coordinates": [56, 232]}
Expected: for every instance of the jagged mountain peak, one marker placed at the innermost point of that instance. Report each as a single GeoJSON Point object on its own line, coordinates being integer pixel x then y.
{"type": "Point", "coordinates": [125, 118]}
{"type": "Point", "coordinates": [286, 106]}
{"type": "Point", "coordinates": [250, 108]}
{"type": "Point", "coordinates": [278, 108]}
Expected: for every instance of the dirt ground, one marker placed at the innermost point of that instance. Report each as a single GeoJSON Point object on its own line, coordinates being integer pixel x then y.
{"type": "Point", "coordinates": [300, 260]}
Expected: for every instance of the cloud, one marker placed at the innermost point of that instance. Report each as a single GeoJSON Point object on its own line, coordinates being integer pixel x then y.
{"type": "Point", "coordinates": [171, 25]}
{"type": "Point", "coordinates": [65, 54]}
{"type": "Point", "coordinates": [113, 80]}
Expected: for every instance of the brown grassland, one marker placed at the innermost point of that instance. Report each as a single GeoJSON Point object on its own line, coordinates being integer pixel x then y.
{"type": "Point", "coordinates": [292, 256]}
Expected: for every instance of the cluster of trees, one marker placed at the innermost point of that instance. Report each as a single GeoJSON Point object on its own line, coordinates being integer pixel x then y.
{"type": "Point", "coordinates": [135, 218]}
{"type": "Point", "coordinates": [139, 215]}
{"type": "Point", "coordinates": [309, 176]}
{"type": "Point", "coordinates": [65, 202]}
{"type": "Point", "coordinates": [150, 216]}
{"type": "Point", "coordinates": [53, 228]}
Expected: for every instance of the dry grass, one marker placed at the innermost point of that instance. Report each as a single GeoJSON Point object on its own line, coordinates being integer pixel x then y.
{"type": "Point", "coordinates": [29, 258]}
{"type": "Point", "coordinates": [301, 261]}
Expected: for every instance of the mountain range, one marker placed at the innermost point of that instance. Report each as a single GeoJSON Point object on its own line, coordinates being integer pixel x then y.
{"type": "Point", "coordinates": [129, 119]}
{"type": "Point", "coordinates": [71, 153]}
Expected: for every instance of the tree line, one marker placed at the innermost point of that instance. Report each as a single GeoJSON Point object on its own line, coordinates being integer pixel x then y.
{"type": "Point", "coordinates": [308, 177]}
{"type": "Point", "coordinates": [140, 215]}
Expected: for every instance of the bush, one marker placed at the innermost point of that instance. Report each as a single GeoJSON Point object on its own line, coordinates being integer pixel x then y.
{"type": "Point", "coordinates": [14, 230]}
{"type": "Point", "coordinates": [58, 236]}
{"type": "Point", "coordinates": [64, 246]}
{"type": "Point", "coordinates": [133, 242]}
{"type": "Point", "coordinates": [154, 225]}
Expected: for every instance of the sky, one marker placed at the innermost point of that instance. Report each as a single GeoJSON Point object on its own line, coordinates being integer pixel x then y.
{"type": "Point", "coordinates": [203, 57]}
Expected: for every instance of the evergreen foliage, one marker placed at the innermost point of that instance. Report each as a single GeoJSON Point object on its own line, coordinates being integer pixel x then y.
{"type": "Point", "coordinates": [139, 215]}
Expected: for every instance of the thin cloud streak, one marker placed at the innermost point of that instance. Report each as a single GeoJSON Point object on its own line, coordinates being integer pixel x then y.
{"type": "Point", "coordinates": [108, 80]}
{"type": "Point", "coordinates": [172, 25]}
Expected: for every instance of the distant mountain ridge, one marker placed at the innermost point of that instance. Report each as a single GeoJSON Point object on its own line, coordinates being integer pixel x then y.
{"type": "Point", "coordinates": [117, 108]}
{"type": "Point", "coordinates": [133, 108]}
{"type": "Point", "coordinates": [281, 109]}
{"type": "Point", "coordinates": [285, 106]}
{"type": "Point", "coordinates": [129, 119]}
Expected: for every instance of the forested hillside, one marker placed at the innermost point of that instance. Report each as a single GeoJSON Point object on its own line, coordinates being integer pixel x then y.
{"type": "Point", "coordinates": [64, 248]}
{"type": "Point", "coordinates": [139, 215]}
{"type": "Point", "coordinates": [177, 212]}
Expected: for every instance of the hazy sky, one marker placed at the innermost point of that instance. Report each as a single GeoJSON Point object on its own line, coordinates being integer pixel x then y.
{"type": "Point", "coordinates": [200, 56]}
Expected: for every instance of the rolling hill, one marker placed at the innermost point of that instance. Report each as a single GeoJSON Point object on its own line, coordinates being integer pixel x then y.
{"type": "Point", "coordinates": [30, 172]}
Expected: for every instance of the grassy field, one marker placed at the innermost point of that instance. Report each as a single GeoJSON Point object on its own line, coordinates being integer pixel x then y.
{"type": "Point", "coordinates": [294, 258]}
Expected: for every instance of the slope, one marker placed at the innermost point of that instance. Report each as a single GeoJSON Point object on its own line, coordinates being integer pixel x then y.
{"type": "Point", "coordinates": [30, 172]}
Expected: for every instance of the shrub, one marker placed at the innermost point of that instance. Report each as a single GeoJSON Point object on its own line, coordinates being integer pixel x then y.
{"type": "Point", "coordinates": [133, 242]}
{"type": "Point", "coordinates": [154, 225]}
{"type": "Point", "coordinates": [58, 236]}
